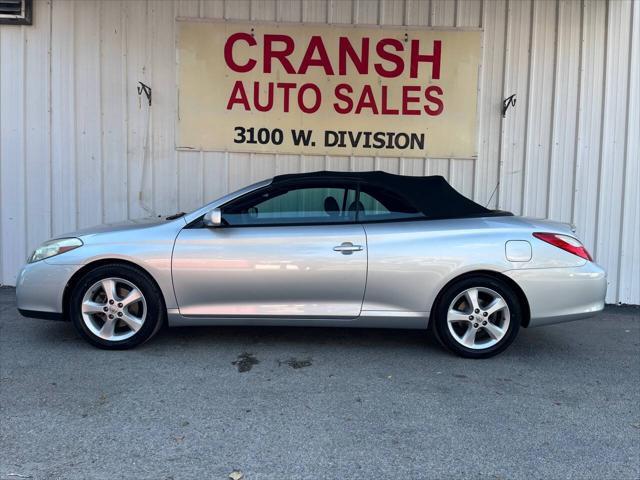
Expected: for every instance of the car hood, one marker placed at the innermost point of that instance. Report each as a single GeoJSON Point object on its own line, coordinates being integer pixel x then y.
{"type": "Point", "coordinates": [137, 224]}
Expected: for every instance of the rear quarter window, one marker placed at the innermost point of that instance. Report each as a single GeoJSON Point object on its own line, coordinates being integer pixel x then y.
{"type": "Point", "coordinates": [378, 204]}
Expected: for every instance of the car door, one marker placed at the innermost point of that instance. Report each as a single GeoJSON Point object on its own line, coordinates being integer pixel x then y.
{"type": "Point", "coordinates": [284, 251]}
{"type": "Point", "coordinates": [402, 263]}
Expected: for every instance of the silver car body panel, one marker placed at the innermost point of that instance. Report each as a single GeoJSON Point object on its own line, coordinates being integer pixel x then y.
{"type": "Point", "coordinates": [562, 294]}
{"type": "Point", "coordinates": [291, 275]}
{"type": "Point", "coordinates": [409, 264]}
{"type": "Point", "coordinates": [40, 286]}
{"type": "Point", "coordinates": [148, 245]}
{"type": "Point", "coordinates": [285, 271]}
{"type": "Point", "coordinates": [404, 320]}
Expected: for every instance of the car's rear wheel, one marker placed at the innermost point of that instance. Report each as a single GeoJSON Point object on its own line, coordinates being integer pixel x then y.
{"type": "Point", "coordinates": [477, 317]}
{"type": "Point", "coordinates": [116, 307]}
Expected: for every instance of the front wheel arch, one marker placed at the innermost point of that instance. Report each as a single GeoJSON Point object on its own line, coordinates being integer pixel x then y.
{"type": "Point", "coordinates": [66, 296]}
{"type": "Point", "coordinates": [522, 298]}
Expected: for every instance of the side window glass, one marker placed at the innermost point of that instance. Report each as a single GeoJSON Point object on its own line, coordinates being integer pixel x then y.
{"type": "Point", "coordinates": [309, 204]}
{"type": "Point", "coordinates": [377, 204]}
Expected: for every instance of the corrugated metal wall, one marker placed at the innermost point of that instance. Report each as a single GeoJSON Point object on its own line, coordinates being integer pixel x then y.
{"type": "Point", "coordinates": [73, 131]}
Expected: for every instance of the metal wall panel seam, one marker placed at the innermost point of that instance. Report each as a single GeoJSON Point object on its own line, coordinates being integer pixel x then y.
{"type": "Point", "coordinates": [589, 128]}
{"type": "Point", "coordinates": [124, 106]}
{"type": "Point", "coordinates": [37, 129]}
{"type": "Point", "coordinates": [21, 256]}
{"type": "Point", "coordinates": [468, 14]}
{"type": "Point", "coordinates": [553, 109]}
{"type": "Point", "coordinates": [148, 152]}
{"type": "Point", "coordinates": [2, 278]}
{"type": "Point", "coordinates": [50, 112]}
{"type": "Point", "coordinates": [513, 141]}
{"type": "Point", "coordinates": [630, 104]}
{"type": "Point", "coordinates": [87, 114]}
{"type": "Point", "coordinates": [63, 203]}
{"type": "Point", "coordinates": [72, 112]}
{"type": "Point", "coordinates": [538, 126]}
{"type": "Point", "coordinates": [615, 119]}
{"type": "Point", "coordinates": [577, 113]}
{"type": "Point", "coordinates": [165, 163]}
{"type": "Point", "coordinates": [629, 284]}
{"type": "Point", "coordinates": [487, 174]}
{"type": "Point", "coordinates": [25, 199]}
{"type": "Point", "coordinates": [526, 136]}
{"type": "Point", "coordinates": [100, 117]}
{"type": "Point", "coordinates": [455, 13]}
{"type": "Point", "coordinates": [601, 137]}
{"type": "Point", "coordinates": [12, 177]}
{"type": "Point", "coordinates": [443, 14]}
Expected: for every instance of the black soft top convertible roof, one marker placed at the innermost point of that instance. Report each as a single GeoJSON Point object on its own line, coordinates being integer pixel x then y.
{"type": "Point", "coordinates": [430, 195]}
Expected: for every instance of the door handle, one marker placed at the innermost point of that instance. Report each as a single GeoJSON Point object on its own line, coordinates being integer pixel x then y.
{"type": "Point", "coordinates": [347, 248]}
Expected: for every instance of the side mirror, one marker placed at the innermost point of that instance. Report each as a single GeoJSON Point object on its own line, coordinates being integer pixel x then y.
{"type": "Point", "coordinates": [213, 218]}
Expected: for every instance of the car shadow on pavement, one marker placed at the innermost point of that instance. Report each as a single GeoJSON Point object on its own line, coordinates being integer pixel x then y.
{"type": "Point", "coordinates": [556, 341]}
{"type": "Point", "coordinates": [50, 333]}
{"type": "Point", "coordinates": [268, 335]}
{"type": "Point", "coordinates": [242, 337]}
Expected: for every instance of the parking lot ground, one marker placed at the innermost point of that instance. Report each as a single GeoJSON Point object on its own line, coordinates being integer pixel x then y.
{"type": "Point", "coordinates": [308, 403]}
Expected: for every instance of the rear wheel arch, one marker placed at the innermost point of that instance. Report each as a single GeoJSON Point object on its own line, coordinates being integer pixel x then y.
{"type": "Point", "coordinates": [66, 296]}
{"type": "Point", "coordinates": [522, 298]}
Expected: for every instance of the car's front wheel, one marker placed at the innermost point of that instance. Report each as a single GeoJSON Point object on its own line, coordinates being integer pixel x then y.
{"type": "Point", "coordinates": [477, 317]}
{"type": "Point", "coordinates": [116, 307]}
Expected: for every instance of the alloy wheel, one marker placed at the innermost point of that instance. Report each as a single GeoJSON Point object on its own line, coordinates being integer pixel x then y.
{"type": "Point", "coordinates": [114, 309]}
{"type": "Point", "coordinates": [478, 318]}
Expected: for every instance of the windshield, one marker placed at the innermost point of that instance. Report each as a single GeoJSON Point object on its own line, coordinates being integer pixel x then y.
{"type": "Point", "coordinates": [228, 197]}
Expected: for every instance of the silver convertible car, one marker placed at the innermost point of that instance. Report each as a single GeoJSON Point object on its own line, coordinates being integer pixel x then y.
{"type": "Point", "coordinates": [358, 249]}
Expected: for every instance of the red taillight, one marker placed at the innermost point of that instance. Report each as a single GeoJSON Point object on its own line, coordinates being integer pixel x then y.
{"type": "Point", "coordinates": [565, 242]}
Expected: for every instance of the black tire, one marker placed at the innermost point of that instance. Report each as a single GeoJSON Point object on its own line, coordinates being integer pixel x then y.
{"type": "Point", "coordinates": [155, 308]}
{"type": "Point", "coordinates": [439, 323]}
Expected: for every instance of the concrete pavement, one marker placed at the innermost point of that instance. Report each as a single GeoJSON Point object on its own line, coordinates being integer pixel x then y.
{"type": "Point", "coordinates": [302, 403]}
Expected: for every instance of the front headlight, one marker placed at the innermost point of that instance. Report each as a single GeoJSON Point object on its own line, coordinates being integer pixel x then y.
{"type": "Point", "coordinates": [54, 247]}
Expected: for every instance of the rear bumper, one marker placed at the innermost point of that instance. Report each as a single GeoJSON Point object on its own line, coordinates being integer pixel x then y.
{"type": "Point", "coordinates": [40, 288]}
{"type": "Point", "coordinates": [562, 294]}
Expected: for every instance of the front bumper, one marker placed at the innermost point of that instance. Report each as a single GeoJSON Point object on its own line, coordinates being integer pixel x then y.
{"type": "Point", "coordinates": [562, 294]}
{"type": "Point", "coordinates": [40, 288]}
{"type": "Point", "coordinates": [41, 315]}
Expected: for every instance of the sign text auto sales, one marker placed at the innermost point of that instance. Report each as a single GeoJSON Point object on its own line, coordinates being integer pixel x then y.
{"type": "Point", "coordinates": [373, 99]}
{"type": "Point", "coordinates": [293, 88]}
